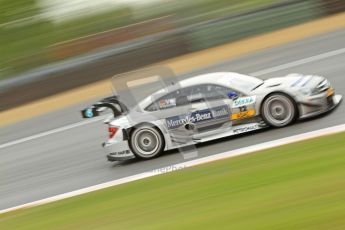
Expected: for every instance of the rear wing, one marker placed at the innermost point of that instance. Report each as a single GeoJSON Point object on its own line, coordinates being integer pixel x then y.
{"type": "Point", "coordinates": [112, 103]}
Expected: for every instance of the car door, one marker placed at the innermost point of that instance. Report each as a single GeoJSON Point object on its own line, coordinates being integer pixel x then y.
{"type": "Point", "coordinates": [211, 109]}
{"type": "Point", "coordinates": [174, 112]}
{"type": "Point", "coordinates": [193, 113]}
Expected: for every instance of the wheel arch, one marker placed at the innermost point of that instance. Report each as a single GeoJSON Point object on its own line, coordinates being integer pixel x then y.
{"type": "Point", "coordinates": [298, 112]}
{"type": "Point", "coordinates": [132, 128]}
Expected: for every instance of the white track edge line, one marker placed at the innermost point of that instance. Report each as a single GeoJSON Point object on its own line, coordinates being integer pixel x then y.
{"type": "Point", "coordinates": [299, 62]}
{"type": "Point", "coordinates": [219, 156]}
{"type": "Point", "coordinates": [256, 74]}
{"type": "Point", "coordinates": [52, 131]}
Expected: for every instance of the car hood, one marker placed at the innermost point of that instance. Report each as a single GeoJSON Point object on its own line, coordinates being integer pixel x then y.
{"type": "Point", "coordinates": [294, 80]}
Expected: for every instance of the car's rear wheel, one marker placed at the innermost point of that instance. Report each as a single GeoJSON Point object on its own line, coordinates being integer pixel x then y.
{"type": "Point", "coordinates": [146, 142]}
{"type": "Point", "coordinates": [278, 110]}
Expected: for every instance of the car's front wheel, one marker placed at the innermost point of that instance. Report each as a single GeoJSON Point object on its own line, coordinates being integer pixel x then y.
{"type": "Point", "coordinates": [146, 142]}
{"type": "Point", "coordinates": [278, 110]}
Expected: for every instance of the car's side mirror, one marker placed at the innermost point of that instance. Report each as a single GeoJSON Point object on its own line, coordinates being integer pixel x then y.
{"type": "Point", "coordinates": [189, 126]}
{"type": "Point", "coordinates": [232, 95]}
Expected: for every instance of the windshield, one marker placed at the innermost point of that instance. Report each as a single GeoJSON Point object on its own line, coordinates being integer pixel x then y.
{"type": "Point", "coordinates": [241, 82]}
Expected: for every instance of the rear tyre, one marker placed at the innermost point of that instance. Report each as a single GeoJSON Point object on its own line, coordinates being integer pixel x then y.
{"type": "Point", "coordinates": [279, 110]}
{"type": "Point", "coordinates": [146, 142]}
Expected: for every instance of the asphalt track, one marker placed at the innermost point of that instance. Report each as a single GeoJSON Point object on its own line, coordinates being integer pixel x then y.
{"type": "Point", "coordinates": [72, 158]}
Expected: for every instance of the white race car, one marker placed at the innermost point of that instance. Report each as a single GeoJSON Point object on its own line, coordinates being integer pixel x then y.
{"type": "Point", "coordinates": [209, 107]}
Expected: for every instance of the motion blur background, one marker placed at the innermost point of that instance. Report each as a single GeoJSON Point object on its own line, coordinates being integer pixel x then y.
{"type": "Point", "coordinates": [49, 46]}
{"type": "Point", "coordinates": [69, 50]}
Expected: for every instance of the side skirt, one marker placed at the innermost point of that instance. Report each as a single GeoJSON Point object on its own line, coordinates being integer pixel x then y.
{"type": "Point", "coordinates": [238, 129]}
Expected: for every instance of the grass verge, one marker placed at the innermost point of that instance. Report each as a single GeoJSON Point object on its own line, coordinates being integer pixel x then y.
{"type": "Point", "coordinates": [297, 186]}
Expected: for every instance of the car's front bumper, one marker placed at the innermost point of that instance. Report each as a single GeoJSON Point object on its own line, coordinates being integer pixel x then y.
{"type": "Point", "coordinates": [318, 105]}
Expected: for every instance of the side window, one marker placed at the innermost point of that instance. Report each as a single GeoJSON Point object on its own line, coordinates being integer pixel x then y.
{"type": "Point", "coordinates": [202, 93]}
{"type": "Point", "coordinates": [165, 102]}
{"type": "Point", "coordinates": [193, 94]}
{"type": "Point", "coordinates": [209, 92]}
{"type": "Point", "coordinates": [216, 92]}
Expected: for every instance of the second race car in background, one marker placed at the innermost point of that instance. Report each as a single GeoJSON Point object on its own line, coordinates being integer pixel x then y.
{"type": "Point", "coordinates": [209, 107]}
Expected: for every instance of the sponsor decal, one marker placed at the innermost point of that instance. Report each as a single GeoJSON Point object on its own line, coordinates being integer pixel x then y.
{"type": "Point", "coordinates": [243, 114]}
{"type": "Point", "coordinates": [124, 152]}
{"type": "Point", "coordinates": [220, 112]}
{"type": "Point", "coordinates": [197, 117]}
{"type": "Point", "coordinates": [243, 101]}
{"type": "Point", "coordinates": [168, 103]}
{"type": "Point", "coordinates": [246, 129]}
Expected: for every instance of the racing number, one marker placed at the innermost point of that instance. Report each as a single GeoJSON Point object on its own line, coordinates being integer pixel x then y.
{"type": "Point", "coordinates": [244, 113]}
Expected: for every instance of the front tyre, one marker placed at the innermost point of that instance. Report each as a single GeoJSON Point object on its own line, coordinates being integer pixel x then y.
{"type": "Point", "coordinates": [278, 110]}
{"type": "Point", "coordinates": [146, 142]}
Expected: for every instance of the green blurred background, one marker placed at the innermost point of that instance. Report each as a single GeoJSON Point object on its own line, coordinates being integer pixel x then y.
{"type": "Point", "coordinates": [38, 32]}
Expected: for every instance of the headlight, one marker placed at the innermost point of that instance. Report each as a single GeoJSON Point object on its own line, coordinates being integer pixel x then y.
{"type": "Point", "coordinates": [321, 87]}
{"type": "Point", "coordinates": [324, 85]}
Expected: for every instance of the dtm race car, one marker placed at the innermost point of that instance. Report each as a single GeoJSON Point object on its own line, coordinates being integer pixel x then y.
{"type": "Point", "coordinates": [208, 107]}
